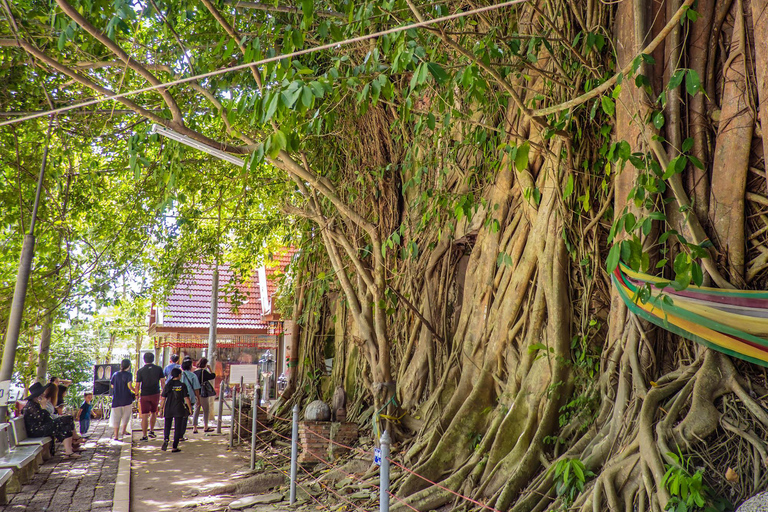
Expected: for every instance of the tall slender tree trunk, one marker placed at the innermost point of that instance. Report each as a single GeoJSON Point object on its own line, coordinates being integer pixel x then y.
{"type": "Point", "coordinates": [45, 349]}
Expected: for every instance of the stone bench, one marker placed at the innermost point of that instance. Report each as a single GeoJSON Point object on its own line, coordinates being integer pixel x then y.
{"type": "Point", "coordinates": [24, 461]}
{"type": "Point", "coordinates": [5, 478]}
{"type": "Point", "coordinates": [20, 438]}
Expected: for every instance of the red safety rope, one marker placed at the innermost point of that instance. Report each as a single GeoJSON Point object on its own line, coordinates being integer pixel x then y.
{"type": "Point", "coordinates": [359, 450]}
{"type": "Point", "coordinates": [338, 468]}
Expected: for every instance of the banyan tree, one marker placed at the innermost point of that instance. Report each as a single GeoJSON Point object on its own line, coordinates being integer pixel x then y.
{"type": "Point", "coordinates": [473, 195]}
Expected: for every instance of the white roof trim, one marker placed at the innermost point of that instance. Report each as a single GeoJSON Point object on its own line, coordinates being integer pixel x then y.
{"type": "Point", "coordinates": [265, 303]}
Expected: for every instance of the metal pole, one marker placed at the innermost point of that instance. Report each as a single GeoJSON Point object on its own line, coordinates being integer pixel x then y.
{"type": "Point", "coordinates": [20, 292]}
{"type": "Point", "coordinates": [384, 473]}
{"type": "Point", "coordinates": [240, 410]}
{"type": "Point", "coordinates": [221, 406]}
{"type": "Point", "coordinates": [254, 412]}
{"type": "Point", "coordinates": [214, 317]}
{"type": "Point", "coordinates": [232, 423]}
{"type": "Point", "coordinates": [294, 451]}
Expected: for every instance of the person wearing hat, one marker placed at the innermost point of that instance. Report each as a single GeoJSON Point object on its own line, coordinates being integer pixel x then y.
{"type": "Point", "coordinates": [39, 422]}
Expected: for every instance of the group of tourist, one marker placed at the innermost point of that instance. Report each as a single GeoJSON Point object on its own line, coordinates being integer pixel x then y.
{"type": "Point", "coordinates": [44, 416]}
{"type": "Point", "coordinates": [173, 392]}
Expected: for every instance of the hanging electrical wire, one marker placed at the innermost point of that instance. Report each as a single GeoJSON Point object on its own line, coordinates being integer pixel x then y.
{"type": "Point", "coordinates": [276, 58]}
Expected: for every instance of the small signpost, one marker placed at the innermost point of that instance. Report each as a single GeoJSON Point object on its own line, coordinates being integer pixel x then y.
{"type": "Point", "coordinates": [244, 374]}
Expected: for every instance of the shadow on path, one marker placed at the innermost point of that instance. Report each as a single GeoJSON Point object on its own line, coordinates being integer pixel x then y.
{"type": "Point", "coordinates": [86, 484]}
{"type": "Point", "coordinates": [164, 481]}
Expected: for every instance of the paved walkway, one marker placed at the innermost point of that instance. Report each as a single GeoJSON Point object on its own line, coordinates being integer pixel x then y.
{"type": "Point", "coordinates": [86, 484]}
{"type": "Point", "coordinates": [164, 481]}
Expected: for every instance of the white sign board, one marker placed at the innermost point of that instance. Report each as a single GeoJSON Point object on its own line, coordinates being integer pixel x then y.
{"type": "Point", "coordinates": [249, 373]}
{"type": "Point", "coordinates": [4, 387]}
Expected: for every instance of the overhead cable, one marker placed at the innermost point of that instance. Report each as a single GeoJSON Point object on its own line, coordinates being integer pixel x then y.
{"type": "Point", "coordinates": [276, 58]}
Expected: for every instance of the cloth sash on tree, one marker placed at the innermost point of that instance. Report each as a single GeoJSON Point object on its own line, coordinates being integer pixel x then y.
{"type": "Point", "coordinates": [734, 322]}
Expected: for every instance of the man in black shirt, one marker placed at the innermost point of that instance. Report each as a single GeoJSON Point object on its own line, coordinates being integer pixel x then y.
{"type": "Point", "coordinates": [175, 406]}
{"type": "Point", "coordinates": [149, 381]}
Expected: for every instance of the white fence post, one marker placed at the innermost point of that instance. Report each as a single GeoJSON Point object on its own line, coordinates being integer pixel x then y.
{"type": "Point", "coordinates": [384, 473]}
{"type": "Point", "coordinates": [294, 451]}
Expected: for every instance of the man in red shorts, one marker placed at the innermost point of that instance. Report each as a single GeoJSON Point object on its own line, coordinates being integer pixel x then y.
{"type": "Point", "coordinates": [149, 381]}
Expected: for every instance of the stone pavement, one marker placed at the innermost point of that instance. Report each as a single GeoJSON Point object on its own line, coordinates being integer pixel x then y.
{"type": "Point", "coordinates": [164, 481]}
{"type": "Point", "coordinates": [86, 484]}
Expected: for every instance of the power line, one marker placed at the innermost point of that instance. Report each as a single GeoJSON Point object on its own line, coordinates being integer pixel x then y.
{"type": "Point", "coordinates": [276, 58]}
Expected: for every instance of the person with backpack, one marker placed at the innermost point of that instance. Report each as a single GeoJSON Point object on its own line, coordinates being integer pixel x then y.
{"type": "Point", "coordinates": [175, 407]}
{"type": "Point", "coordinates": [193, 387]}
{"type": "Point", "coordinates": [207, 394]}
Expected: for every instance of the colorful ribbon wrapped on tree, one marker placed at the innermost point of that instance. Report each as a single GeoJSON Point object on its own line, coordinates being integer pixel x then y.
{"type": "Point", "coordinates": [734, 322]}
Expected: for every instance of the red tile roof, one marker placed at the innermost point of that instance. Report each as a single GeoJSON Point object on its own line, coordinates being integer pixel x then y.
{"type": "Point", "coordinates": [189, 306]}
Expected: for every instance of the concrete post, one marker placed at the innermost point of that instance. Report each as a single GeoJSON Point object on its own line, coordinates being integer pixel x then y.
{"type": "Point", "coordinates": [384, 473]}
{"type": "Point", "coordinates": [254, 424]}
{"type": "Point", "coordinates": [294, 451]}
{"type": "Point", "coordinates": [240, 406]}
{"type": "Point", "coordinates": [214, 317]}
{"type": "Point", "coordinates": [232, 423]}
{"type": "Point", "coordinates": [221, 406]}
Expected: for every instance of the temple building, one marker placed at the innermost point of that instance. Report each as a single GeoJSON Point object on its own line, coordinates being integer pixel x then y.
{"type": "Point", "coordinates": [246, 326]}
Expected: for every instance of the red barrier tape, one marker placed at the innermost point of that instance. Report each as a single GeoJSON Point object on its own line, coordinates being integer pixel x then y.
{"type": "Point", "coordinates": [359, 450]}
{"type": "Point", "coordinates": [338, 468]}
{"type": "Point", "coordinates": [312, 476]}
{"type": "Point", "coordinates": [443, 487]}
{"type": "Point", "coordinates": [326, 507]}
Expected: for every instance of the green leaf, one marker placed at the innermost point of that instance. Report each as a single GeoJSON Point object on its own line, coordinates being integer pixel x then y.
{"type": "Point", "coordinates": [307, 97]}
{"type": "Point", "coordinates": [438, 73]}
{"type": "Point", "coordinates": [271, 106]}
{"type": "Point", "coordinates": [676, 79]}
{"type": "Point", "coordinates": [568, 187]}
{"type": "Point", "coordinates": [687, 145]}
{"type": "Point", "coordinates": [521, 156]}
{"type": "Point", "coordinates": [692, 82]}
{"type": "Point", "coordinates": [609, 107]}
{"type": "Point", "coordinates": [696, 274]}
{"type": "Point", "coordinates": [624, 151]}
{"type": "Point", "coordinates": [280, 139]}
{"type": "Point", "coordinates": [695, 161]}
{"type": "Point", "coordinates": [658, 120]}
{"type": "Point", "coordinates": [613, 258]}
{"type": "Point", "coordinates": [62, 40]}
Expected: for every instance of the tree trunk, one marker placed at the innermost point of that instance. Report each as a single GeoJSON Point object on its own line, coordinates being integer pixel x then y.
{"type": "Point", "coordinates": [45, 349]}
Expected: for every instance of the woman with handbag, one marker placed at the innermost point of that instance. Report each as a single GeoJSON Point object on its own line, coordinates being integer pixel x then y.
{"type": "Point", "coordinates": [207, 393]}
{"type": "Point", "coordinates": [122, 399]}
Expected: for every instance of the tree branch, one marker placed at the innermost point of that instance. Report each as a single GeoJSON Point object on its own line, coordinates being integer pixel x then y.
{"type": "Point", "coordinates": [122, 55]}
{"type": "Point", "coordinates": [230, 30]}
{"type": "Point", "coordinates": [605, 86]}
{"type": "Point", "coordinates": [87, 82]}
{"type": "Point", "coordinates": [284, 9]}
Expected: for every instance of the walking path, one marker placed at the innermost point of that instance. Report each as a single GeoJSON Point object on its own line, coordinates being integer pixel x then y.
{"type": "Point", "coordinates": [164, 481]}
{"type": "Point", "coordinates": [86, 484]}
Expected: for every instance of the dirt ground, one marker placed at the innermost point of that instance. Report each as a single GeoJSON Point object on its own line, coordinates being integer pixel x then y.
{"type": "Point", "coordinates": [164, 481]}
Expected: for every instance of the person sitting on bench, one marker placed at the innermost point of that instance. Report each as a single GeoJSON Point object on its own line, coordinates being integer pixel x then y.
{"type": "Point", "coordinates": [39, 422]}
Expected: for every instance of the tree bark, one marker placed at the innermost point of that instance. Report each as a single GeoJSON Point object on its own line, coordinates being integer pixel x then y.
{"type": "Point", "coordinates": [45, 349]}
